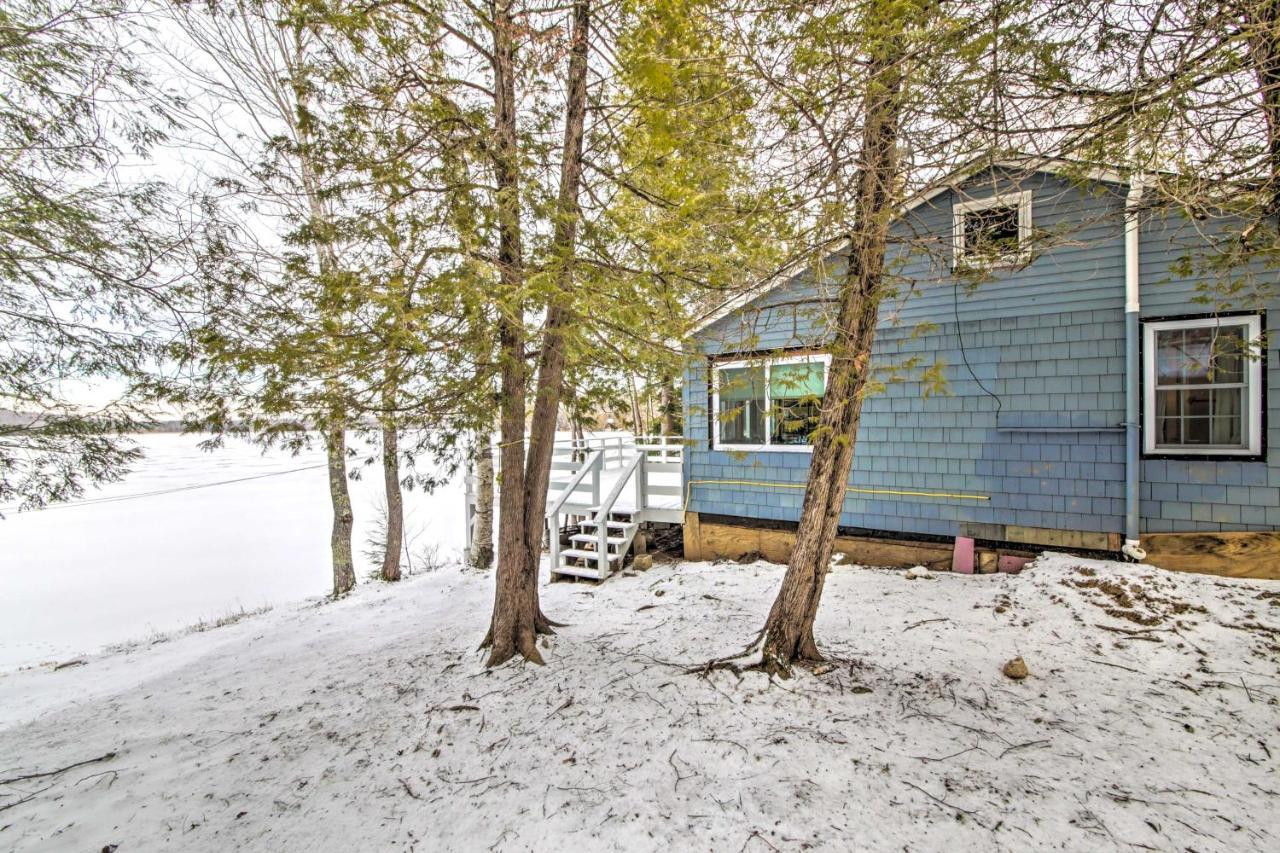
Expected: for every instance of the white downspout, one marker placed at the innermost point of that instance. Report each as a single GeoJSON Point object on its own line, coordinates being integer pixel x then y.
{"type": "Point", "coordinates": [1132, 305]}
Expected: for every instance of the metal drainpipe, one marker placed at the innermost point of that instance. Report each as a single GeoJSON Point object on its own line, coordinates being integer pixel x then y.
{"type": "Point", "coordinates": [1132, 304]}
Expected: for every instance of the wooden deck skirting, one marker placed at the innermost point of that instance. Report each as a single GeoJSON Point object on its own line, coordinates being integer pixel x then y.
{"type": "Point", "coordinates": [1241, 555]}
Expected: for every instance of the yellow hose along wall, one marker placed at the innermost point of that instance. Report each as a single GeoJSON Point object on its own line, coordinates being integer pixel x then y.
{"type": "Point", "coordinates": [688, 494]}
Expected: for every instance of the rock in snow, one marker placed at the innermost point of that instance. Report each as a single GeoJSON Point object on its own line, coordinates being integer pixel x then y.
{"type": "Point", "coordinates": [371, 724]}
{"type": "Point", "coordinates": [1016, 669]}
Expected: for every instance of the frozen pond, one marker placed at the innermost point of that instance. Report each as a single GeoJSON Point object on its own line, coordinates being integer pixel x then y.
{"type": "Point", "coordinates": [138, 557]}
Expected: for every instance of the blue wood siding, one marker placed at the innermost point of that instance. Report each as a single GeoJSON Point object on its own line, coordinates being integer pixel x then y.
{"type": "Point", "coordinates": [1032, 423]}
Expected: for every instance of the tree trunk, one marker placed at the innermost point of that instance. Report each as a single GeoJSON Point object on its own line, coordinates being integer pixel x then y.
{"type": "Point", "coordinates": [551, 361]}
{"type": "Point", "coordinates": [395, 504]}
{"type": "Point", "coordinates": [344, 577]}
{"type": "Point", "coordinates": [335, 445]}
{"type": "Point", "coordinates": [668, 403]}
{"type": "Point", "coordinates": [637, 424]}
{"type": "Point", "coordinates": [788, 632]}
{"type": "Point", "coordinates": [512, 629]}
{"type": "Point", "coordinates": [482, 521]}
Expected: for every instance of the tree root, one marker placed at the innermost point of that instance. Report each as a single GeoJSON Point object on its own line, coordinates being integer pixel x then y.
{"type": "Point", "coordinates": [727, 662]}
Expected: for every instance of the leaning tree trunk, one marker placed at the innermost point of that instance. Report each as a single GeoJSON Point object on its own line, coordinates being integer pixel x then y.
{"type": "Point", "coordinates": [513, 627]}
{"type": "Point", "coordinates": [482, 521]}
{"type": "Point", "coordinates": [335, 445]}
{"type": "Point", "coordinates": [395, 503]}
{"type": "Point", "coordinates": [551, 361]}
{"type": "Point", "coordinates": [788, 632]}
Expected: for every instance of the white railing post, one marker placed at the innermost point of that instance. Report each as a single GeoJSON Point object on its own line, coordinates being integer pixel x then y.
{"type": "Point", "coordinates": [596, 464]}
{"type": "Point", "coordinates": [602, 545]}
{"type": "Point", "coordinates": [642, 486]}
{"type": "Point", "coordinates": [553, 542]}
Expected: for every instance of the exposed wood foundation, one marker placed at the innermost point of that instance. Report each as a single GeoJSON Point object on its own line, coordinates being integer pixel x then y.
{"type": "Point", "coordinates": [1235, 555]}
{"type": "Point", "coordinates": [705, 540]}
{"type": "Point", "coordinates": [1254, 555]}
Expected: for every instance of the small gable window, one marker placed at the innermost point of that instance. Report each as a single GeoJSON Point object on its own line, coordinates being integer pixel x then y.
{"type": "Point", "coordinates": [1203, 386]}
{"type": "Point", "coordinates": [992, 231]}
{"type": "Point", "coordinates": [768, 404]}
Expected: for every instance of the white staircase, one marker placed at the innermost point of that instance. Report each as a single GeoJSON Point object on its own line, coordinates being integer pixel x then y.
{"type": "Point", "coordinates": [607, 527]}
{"type": "Point", "coordinates": [583, 559]}
{"type": "Point", "coordinates": [606, 524]}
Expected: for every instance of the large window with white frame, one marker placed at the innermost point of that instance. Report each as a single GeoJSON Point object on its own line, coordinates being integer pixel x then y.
{"type": "Point", "coordinates": [992, 231]}
{"type": "Point", "coordinates": [768, 404]}
{"type": "Point", "coordinates": [1203, 386]}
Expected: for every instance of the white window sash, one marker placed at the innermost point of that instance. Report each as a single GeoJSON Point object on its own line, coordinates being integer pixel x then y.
{"type": "Point", "coordinates": [1019, 198]}
{"type": "Point", "coordinates": [717, 444]}
{"type": "Point", "coordinates": [1251, 429]}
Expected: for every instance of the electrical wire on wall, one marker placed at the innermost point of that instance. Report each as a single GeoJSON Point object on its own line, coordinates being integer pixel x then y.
{"type": "Point", "coordinates": [955, 301]}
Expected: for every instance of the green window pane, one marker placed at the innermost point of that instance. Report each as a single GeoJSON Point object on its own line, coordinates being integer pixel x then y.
{"type": "Point", "coordinates": [742, 383]}
{"type": "Point", "coordinates": [793, 381]}
{"type": "Point", "coordinates": [796, 391]}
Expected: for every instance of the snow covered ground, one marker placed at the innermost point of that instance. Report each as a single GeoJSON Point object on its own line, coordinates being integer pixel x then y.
{"type": "Point", "coordinates": [149, 555]}
{"type": "Point", "coordinates": [1149, 721]}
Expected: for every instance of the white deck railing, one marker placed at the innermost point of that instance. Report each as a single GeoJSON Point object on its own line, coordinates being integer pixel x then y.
{"type": "Point", "coordinates": [579, 468]}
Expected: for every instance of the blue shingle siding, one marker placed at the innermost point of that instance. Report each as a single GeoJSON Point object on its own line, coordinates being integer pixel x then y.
{"type": "Point", "coordinates": [1047, 341]}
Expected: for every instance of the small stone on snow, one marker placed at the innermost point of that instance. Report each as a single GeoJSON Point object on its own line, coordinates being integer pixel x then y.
{"type": "Point", "coordinates": [1016, 669]}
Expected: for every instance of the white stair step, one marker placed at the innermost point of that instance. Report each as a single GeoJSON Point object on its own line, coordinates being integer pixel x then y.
{"type": "Point", "coordinates": [591, 537]}
{"type": "Point", "coordinates": [583, 554]}
{"type": "Point", "coordinates": [578, 571]}
{"type": "Point", "coordinates": [612, 525]}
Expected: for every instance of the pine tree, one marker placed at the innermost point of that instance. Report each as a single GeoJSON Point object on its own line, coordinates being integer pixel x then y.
{"type": "Point", "coordinates": [83, 257]}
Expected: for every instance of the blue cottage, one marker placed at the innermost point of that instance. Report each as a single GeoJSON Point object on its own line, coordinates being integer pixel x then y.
{"type": "Point", "coordinates": [1053, 367]}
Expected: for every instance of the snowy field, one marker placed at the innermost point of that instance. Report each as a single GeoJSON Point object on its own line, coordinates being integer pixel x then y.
{"type": "Point", "coordinates": [1150, 721]}
{"type": "Point", "coordinates": [148, 555]}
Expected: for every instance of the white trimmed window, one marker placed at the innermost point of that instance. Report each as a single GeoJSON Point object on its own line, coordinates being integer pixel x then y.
{"type": "Point", "coordinates": [768, 404]}
{"type": "Point", "coordinates": [1202, 381]}
{"type": "Point", "coordinates": [992, 231]}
